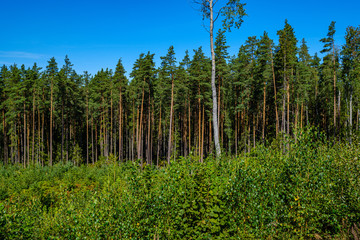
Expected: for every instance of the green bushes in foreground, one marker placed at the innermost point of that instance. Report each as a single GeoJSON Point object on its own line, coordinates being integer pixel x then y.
{"type": "Point", "coordinates": [311, 191]}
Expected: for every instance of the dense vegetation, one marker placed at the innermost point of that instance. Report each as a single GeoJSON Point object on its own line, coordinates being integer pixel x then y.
{"type": "Point", "coordinates": [310, 192]}
{"type": "Point", "coordinates": [265, 92]}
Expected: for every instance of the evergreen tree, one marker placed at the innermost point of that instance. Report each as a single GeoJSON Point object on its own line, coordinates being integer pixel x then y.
{"type": "Point", "coordinates": [351, 70]}
{"type": "Point", "coordinates": [286, 59]}
{"type": "Point", "coordinates": [330, 63]}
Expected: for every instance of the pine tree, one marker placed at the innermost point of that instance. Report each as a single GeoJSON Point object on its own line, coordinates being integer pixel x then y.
{"type": "Point", "coordinates": [221, 57]}
{"type": "Point", "coordinates": [286, 58]}
{"type": "Point", "coordinates": [265, 73]}
{"type": "Point", "coordinates": [51, 75]}
{"type": "Point", "coordinates": [351, 69]}
{"type": "Point", "coordinates": [120, 83]}
{"type": "Point", "coordinates": [167, 74]}
{"type": "Point", "coordinates": [330, 60]}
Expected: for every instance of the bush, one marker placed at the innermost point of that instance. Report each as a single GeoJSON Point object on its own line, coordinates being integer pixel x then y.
{"type": "Point", "coordinates": [312, 189]}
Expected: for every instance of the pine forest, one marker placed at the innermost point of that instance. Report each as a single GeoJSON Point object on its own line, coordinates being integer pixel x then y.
{"type": "Point", "coordinates": [260, 145]}
{"type": "Point", "coordinates": [267, 91]}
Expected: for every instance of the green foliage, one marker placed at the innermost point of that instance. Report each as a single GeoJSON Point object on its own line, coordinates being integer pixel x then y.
{"type": "Point", "coordinates": [266, 194]}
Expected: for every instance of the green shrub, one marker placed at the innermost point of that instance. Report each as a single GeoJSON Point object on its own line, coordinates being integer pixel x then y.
{"type": "Point", "coordinates": [312, 188]}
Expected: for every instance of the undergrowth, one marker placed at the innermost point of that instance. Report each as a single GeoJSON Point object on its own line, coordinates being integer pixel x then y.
{"type": "Point", "coordinates": [310, 190]}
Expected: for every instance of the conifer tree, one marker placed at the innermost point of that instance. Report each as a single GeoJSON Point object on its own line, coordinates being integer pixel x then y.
{"type": "Point", "coordinates": [330, 60]}
{"type": "Point", "coordinates": [286, 57]}
{"type": "Point", "coordinates": [351, 69]}
{"type": "Point", "coordinates": [120, 84]}
{"type": "Point", "coordinates": [51, 75]}
{"type": "Point", "coordinates": [167, 74]}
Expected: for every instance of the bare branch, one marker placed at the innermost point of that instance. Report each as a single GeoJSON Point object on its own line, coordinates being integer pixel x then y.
{"type": "Point", "coordinates": [205, 27]}
{"type": "Point", "coordinates": [218, 14]}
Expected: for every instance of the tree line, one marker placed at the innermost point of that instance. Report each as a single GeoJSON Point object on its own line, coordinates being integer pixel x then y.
{"type": "Point", "coordinates": [267, 91]}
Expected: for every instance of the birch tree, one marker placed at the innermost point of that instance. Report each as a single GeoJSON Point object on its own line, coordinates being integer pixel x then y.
{"type": "Point", "coordinates": [231, 13]}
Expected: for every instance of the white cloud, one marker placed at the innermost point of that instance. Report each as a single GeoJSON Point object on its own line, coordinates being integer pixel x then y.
{"type": "Point", "coordinates": [15, 54]}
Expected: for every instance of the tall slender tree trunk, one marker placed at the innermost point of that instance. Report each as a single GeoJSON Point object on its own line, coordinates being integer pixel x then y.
{"type": "Point", "coordinates": [264, 112]}
{"type": "Point", "coordinates": [92, 141]}
{"type": "Point", "coordinates": [28, 138]}
{"type": "Point", "coordinates": [171, 119]}
{"type": "Point", "coordinates": [350, 118]}
{"type": "Point", "coordinates": [159, 140]}
{"type": "Point", "coordinates": [42, 138]}
{"type": "Point", "coordinates": [357, 119]}
{"type": "Point", "coordinates": [339, 114]}
{"type": "Point", "coordinates": [334, 91]}
{"type": "Point", "coordinates": [288, 108]}
{"type": "Point", "coordinates": [149, 133]}
{"type": "Point", "coordinates": [87, 131]}
{"type": "Point", "coordinates": [62, 130]}
{"type": "Point", "coordinates": [199, 127]}
{"type": "Point", "coordinates": [213, 86]}
{"type": "Point", "coordinates": [301, 115]}
{"type": "Point", "coordinates": [133, 135]}
{"type": "Point", "coordinates": [24, 143]}
{"type": "Point", "coordinates": [51, 119]}
{"type": "Point", "coordinates": [120, 125]}
{"type": "Point", "coordinates": [275, 94]}
{"type": "Point", "coordinates": [111, 123]}
{"type": "Point", "coordinates": [254, 131]}
{"type": "Point", "coordinates": [236, 133]}
{"type": "Point", "coordinates": [33, 131]}
{"type": "Point", "coordinates": [96, 143]}
{"type": "Point", "coordinates": [189, 128]}
{"type": "Point", "coordinates": [140, 125]}
{"type": "Point", "coordinates": [6, 154]}
{"type": "Point", "coordinates": [202, 134]}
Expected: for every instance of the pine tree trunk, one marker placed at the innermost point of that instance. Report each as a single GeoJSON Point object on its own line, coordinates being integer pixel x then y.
{"type": "Point", "coordinates": [120, 125]}
{"type": "Point", "coordinates": [350, 118]}
{"type": "Point", "coordinates": [140, 126]}
{"type": "Point", "coordinates": [33, 131]}
{"type": "Point", "coordinates": [148, 133]}
{"type": "Point", "coordinates": [96, 144]}
{"type": "Point", "coordinates": [254, 130]}
{"type": "Point", "coordinates": [301, 115]}
{"type": "Point", "coordinates": [87, 131]}
{"type": "Point", "coordinates": [6, 154]}
{"type": "Point", "coordinates": [357, 119]}
{"type": "Point", "coordinates": [202, 135]}
{"type": "Point", "coordinates": [42, 138]}
{"type": "Point", "coordinates": [28, 138]}
{"type": "Point", "coordinates": [159, 140]}
{"type": "Point", "coordinates": [339, 114]}
{"type": "Point", "coordinates": [189, 128]}
{"type": "Point", "coordinates": [51, 119]}
{"type": "Point", "coordinates": [111, 123]}
{"type": "Point", "coordinates": [199, 127]}
{"type": "Point", "coordinates": [92, 141]}
{"type": "Point", "coordinates": [275, 95]}
{"type": "Point", "coordinates": [334, 91]}
{"type": "Point", "coordinates": [171, 119]}
{"type": "Point", "coordinates": [62, 131]}
{"type": "Point", "coordinates": [288, 108]}
{"type": "Point", "coordinates": [24, 143]}
{"type": "Point", "coordinates": [264, 117]}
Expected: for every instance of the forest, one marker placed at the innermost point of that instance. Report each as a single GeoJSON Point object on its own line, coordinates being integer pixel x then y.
{"type": "Point", "coordinates": [267, 91]}
{"type": "Point", "coordinates": [134, 156]}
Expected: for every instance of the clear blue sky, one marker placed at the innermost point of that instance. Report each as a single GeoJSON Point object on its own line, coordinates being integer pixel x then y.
{"type": "Point", "coordinates": [95, 34]}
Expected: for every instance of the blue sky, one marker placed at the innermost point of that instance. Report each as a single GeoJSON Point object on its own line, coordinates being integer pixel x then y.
{"type": "Point", "coordinates": [95, 34]}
